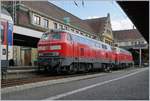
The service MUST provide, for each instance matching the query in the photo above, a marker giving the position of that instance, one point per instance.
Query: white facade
(27, 31)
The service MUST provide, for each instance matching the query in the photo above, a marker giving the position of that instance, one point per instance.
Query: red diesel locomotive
(64, 51)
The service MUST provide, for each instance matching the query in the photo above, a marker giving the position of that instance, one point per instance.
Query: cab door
(70, 42)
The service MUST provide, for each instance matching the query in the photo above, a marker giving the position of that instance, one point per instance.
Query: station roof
(125, 35)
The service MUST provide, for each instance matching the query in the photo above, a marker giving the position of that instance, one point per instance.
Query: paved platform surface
(121, 85)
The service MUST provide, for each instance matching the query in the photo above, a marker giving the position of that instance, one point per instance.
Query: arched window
(55, 26)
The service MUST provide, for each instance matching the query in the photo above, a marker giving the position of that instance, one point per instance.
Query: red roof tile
(97, 24)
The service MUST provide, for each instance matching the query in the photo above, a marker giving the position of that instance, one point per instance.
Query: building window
(55, 25)
(84, 34)
(77, 31)
(45, 22)
(139, 42)
(72, 30)
(66, 27)
(116, 44)
(108, 32)
(61, 26)
(132, 43)
(129, 43)
(36, 19)
(142, 42)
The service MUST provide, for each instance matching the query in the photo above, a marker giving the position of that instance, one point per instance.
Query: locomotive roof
(59, 30)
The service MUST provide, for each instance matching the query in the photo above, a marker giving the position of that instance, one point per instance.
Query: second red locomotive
(64, 51)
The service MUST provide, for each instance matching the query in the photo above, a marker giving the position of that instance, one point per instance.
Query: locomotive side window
(104, 46)
(99, 45)
(44, 36)
(83, 40)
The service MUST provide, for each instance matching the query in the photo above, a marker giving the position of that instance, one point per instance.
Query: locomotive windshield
(56, 36)
(44, 36)
(52, 36)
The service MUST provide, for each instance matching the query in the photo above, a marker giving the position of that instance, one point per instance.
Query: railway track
(15, 82)
(42, 77)
(38, 78)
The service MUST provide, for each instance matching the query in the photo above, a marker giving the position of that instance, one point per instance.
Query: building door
(27, 57)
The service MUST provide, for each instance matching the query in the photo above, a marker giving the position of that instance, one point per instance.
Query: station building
(32, 18)
(133, 41)
(102, 27)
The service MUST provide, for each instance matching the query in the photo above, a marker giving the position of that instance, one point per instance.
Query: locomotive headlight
(55, 54)
(40, 48)
(40, 54)
(43, 48)
(55, 47)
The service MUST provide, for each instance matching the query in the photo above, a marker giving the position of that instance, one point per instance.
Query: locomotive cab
(50, 49)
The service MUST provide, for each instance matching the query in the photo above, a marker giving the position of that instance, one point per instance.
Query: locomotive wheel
(89, 67)
(86, 67)
(106, 68)
(83, 67)
(76, 67)
(70, 69)
(58, 70)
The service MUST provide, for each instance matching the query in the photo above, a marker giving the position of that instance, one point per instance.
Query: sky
(96, 9)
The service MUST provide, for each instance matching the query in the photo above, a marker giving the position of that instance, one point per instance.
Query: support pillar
(140, 60)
